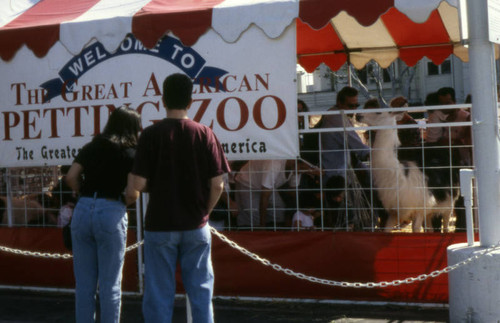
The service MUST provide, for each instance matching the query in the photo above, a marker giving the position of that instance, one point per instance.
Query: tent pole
(349, 75)
(480, 301)
(485, 122)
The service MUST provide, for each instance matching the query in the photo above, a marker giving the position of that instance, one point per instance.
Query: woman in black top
(99, 224)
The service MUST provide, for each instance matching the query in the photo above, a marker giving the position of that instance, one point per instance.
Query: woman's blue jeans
(99, 234)
(162, 250)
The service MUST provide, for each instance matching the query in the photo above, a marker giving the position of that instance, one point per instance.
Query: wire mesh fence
(38, 197)
(373, 172)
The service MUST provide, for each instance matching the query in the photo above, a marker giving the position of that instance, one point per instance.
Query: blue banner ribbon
(169, 49)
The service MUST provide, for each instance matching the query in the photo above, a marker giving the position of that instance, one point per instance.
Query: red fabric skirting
(339, 256)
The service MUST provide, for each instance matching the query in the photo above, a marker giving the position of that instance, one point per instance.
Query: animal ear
(398, 115)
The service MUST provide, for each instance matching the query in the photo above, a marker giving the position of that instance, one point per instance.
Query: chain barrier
(382, 284)
(36, 253)
(286, 271)
(40, 254)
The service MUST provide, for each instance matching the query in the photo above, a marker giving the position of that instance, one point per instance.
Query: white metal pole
(475, 288)
(485, 122)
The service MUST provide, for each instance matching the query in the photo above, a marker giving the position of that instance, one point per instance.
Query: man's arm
(356, 145)
(216, 188)
(232, 205)
(135, 185)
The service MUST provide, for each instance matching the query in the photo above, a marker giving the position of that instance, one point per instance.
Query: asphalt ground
(31, 307)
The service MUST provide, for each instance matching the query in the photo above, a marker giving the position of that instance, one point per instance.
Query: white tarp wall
(244, 90)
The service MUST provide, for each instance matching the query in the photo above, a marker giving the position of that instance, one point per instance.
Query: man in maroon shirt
(180, 163)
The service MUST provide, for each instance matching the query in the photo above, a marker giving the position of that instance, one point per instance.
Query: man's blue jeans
(161, 252)
(99, 234)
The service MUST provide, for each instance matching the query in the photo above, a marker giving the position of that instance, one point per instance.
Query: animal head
(385, 118)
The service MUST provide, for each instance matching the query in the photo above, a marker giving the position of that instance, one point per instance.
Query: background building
(318, 89)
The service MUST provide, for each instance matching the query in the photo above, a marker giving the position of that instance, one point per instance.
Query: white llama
(402, 187)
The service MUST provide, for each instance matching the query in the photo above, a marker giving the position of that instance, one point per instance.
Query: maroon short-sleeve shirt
(178, 157)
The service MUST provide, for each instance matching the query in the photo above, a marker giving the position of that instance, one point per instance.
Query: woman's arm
(73, 177)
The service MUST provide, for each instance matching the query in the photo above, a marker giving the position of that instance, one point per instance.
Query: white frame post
(10, 215)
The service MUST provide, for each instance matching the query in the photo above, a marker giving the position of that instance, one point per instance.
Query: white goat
(402, 187)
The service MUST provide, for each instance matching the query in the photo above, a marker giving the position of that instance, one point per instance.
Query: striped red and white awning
(329, 31)
(389, 29)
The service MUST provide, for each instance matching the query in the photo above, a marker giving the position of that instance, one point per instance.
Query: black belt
(101, 195)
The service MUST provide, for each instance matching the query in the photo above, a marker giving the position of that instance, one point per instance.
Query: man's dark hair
(431, 99)
(305, 108)
(177, 89)
(445, 91)
(347, 91)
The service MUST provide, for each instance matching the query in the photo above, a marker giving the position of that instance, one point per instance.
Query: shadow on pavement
(24, 306)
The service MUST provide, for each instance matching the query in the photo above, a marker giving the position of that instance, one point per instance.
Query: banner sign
(245, 91)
